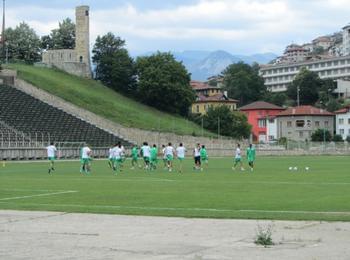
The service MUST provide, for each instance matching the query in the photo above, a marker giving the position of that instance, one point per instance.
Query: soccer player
(251, 156)
(204, 155)
(117, 157)
(110, 157)
(197, 157)
(238, 158)
(146, 154)
(169, 152)
(164, 157)
(153, 158)
(180, 153)
(134, 156)
(51, 154)
(85, 159)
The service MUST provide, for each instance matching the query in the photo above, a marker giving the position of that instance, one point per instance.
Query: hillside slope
(97, 98)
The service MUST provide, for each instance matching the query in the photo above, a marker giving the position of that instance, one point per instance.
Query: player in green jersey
(204, 155)
(154, 159)
(251, 156)
(134, 156)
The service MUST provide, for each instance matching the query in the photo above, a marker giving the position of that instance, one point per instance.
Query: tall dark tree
(309, 85)
(164, 83)
(114, 66)
(228, 123)
(61, 38)
(23, 44)
(243, 83)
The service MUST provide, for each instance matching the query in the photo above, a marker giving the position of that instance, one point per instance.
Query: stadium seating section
(25, 115)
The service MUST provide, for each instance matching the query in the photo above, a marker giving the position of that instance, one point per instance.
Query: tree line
(164, 83)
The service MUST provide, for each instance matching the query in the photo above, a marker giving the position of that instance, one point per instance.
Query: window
(348, 121)
(326, 123)
(349, 132)
(81, 59)
(341, 121)
(301, 134)
(300, 123)
(289, 124)
(262, 122)
(317, 123)
(308, 123)
(341, 131)
(197, 109)
(86, 13)
(271, 121)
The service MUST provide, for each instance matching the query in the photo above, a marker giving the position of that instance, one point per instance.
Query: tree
(164, 83)
(234, 124)
(309, 84)
(114, 67)
(243, 82)
(337, 138)
(318, 50)
(61, 38)
(23, 43)
(321, 135)
(278, 98)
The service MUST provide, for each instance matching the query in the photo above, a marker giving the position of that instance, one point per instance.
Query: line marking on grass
(6, 189)
(39, 195)
(190, 209)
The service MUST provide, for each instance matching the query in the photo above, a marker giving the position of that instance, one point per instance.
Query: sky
(238, 26)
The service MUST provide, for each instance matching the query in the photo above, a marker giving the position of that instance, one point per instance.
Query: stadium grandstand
(25, 120)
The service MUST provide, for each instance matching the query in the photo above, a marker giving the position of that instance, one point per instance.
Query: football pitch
(272, 191)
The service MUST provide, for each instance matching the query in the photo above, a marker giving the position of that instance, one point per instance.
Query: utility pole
(218, 127)
(298, 96)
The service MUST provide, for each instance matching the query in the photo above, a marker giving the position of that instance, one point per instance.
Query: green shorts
(181, 159)
(134, 158)
(238, 160)
(154, 160)
(52, 158)
(85, 160)
(119, 160)
(204, 159)
(169, 157)
(146, 159)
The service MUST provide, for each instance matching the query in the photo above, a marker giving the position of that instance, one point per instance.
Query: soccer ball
(290, 168)
(295, 168)
(307, 168)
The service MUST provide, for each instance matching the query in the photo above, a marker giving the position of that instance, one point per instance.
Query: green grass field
(271, 192)
(95, 97)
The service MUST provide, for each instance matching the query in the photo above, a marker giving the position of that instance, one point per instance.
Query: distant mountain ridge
(203, 64)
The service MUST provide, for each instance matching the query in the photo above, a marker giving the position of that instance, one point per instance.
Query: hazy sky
(237, 26)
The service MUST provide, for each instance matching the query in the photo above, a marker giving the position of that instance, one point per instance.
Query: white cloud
(236, 25)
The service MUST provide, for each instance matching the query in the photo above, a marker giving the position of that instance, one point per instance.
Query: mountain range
(203, 64)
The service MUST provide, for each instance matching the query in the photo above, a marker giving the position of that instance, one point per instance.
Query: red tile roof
(215, 98)
(343, 110)
(305, 111)
(260, 105)
(198, 85)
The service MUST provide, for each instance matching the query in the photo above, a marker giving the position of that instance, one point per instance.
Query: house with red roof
(210, 96)
(298, 123)
(342, 122)
(262, 117)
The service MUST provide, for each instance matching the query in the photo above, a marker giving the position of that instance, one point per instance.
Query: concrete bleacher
(31, 117)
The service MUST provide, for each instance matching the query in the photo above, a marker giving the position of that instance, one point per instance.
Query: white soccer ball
(307, 168)
(295, 168)
(290, 168)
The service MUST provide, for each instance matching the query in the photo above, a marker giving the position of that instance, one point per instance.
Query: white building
(278, 77)
(271, 128)
(343, 88)
(342, 122)
(346, 40)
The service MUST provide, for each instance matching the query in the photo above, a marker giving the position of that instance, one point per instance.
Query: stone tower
(82, 34)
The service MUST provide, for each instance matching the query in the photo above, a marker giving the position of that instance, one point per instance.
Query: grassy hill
(97, 98)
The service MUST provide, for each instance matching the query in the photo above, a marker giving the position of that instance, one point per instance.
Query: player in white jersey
(110, 157)
(85, 159)
(238, 158)
(117, 153)
(169, 153)
(180, 153)
(146, 154)
(197, 157)
(51, 155)
(164, 157)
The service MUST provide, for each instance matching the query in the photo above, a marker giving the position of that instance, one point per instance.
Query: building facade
(77, 61)
(278, 77)
(210, 97)
(342, 122)
(298, 123)
(262, 117)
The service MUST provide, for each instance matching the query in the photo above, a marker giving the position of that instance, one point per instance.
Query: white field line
(193, 209)
(7, 189)
(38, 195)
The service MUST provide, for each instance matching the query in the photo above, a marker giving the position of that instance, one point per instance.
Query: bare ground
(55, 235)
